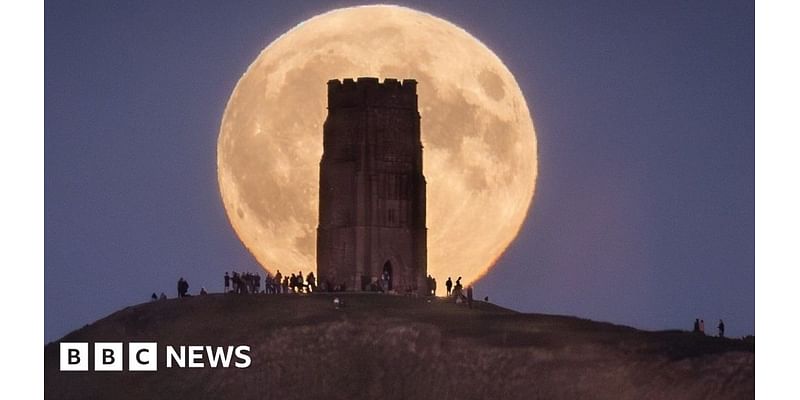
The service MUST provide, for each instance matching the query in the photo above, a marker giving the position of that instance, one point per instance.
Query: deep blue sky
(644, 208)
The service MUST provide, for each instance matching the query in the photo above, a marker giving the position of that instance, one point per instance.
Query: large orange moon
(479, 142)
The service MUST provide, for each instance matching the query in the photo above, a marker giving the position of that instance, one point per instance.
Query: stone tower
(371, 188)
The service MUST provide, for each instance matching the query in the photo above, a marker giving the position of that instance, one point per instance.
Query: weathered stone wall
(372, 188)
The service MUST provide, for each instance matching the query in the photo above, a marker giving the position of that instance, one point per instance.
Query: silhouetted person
(469, 296)
(300, 285)
(312, 282)
(486, 299)
(183, 287)
(449, 286)
(702, 327)
(721, 328)
(203, 291)
(227, 282)
(153, 297)
(279, 280)
(385, 282)
(433, 286)
(696, 325)
(458, 292)
(267, 283)
(237, 283)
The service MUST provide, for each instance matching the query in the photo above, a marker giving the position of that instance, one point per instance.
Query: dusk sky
(644, 115)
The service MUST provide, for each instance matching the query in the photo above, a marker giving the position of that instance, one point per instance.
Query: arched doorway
(387, 273)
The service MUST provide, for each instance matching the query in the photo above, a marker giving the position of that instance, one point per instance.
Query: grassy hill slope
(394, 347)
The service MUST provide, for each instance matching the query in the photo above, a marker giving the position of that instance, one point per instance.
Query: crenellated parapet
(370, 92)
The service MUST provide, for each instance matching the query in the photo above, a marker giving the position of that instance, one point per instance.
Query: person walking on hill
(227, 279)
(449, 286)
(721, 328)
(696, 328)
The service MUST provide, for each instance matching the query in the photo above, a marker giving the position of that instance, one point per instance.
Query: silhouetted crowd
(700, 327)
(457, 291)
(248, 283)
(251, 283)
(242, 283)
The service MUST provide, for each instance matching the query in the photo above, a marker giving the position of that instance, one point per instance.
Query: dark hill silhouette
(393, 347)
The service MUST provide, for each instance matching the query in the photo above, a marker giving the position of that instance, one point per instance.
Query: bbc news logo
(143, 356)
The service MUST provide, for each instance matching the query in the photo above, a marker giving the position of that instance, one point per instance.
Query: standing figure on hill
(153, 297)
(449, 286)
(311, 280)
(696, 328)
(702, 327)
(300, 285)
(237, 282)
(203, 291)
(278, 280)
(469, 296)
(227, 279)
(183, 287)
(267, 283)
(721, 328)
(458, 291)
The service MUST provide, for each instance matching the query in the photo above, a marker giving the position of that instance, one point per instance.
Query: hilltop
(396, 347)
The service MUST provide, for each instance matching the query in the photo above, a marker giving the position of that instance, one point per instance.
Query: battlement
(370, 92)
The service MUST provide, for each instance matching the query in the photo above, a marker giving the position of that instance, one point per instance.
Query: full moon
(480, 156)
